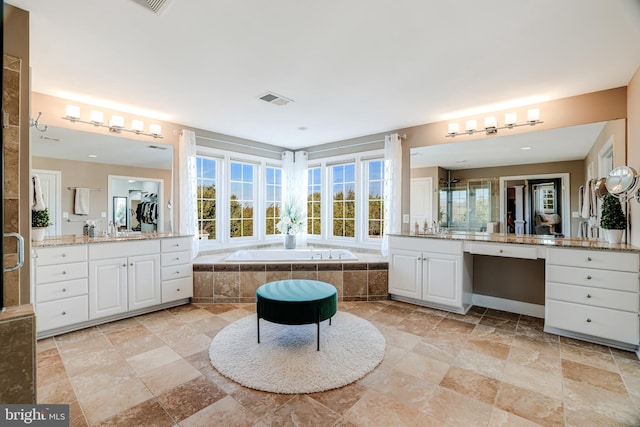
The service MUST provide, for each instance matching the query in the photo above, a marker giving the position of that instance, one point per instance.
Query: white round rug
(286, 360)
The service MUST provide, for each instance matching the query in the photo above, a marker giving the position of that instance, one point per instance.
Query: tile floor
(488, 368)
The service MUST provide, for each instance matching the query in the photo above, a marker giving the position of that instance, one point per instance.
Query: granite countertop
(525, 239)
(84, 240)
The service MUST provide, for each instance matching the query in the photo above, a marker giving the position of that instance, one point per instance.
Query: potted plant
(39, 224)
(613, 220)
(291, 222)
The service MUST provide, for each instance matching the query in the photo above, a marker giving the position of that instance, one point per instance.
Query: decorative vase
(37, 234)
(290, 241)
(614, 236)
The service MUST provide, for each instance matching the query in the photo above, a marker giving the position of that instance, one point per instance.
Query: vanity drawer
(177, 244)
(122, 249)
(617, 280)
(177, 271)
(67, 289)
(55, 314)
(60, 272)
(176, 258)
(177, 289)
(63, 254)
(606, 298)
(614, 325)
(608, 260)
(511, 251)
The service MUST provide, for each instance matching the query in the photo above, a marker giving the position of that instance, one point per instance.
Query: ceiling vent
(153, 5)
(275, 99)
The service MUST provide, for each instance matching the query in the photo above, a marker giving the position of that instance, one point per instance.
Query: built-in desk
(583, 289)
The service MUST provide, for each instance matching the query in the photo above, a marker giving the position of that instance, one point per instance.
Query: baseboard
(534, 310)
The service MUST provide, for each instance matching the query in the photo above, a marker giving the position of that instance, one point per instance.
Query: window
(273, 199)
(241, 200)
(206, 179)
(314, 201)
(375, 199)
(344, 200)
(459, 209)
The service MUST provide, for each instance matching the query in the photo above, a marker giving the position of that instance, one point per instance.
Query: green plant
(612, 216)
(40, 218)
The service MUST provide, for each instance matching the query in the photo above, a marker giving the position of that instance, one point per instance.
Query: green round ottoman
(296, 302)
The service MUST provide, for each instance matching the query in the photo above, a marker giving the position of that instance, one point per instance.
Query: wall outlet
(103, 214)
(405, 219)
(65, 214)
(575, 214)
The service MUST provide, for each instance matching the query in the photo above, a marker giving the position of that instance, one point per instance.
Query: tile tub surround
(485, 368)
(220, 282)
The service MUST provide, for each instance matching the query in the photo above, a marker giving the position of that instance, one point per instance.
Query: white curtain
(294, 186)
(392, 188)
(187, 180)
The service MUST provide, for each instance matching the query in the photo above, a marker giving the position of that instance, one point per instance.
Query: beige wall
(95, 175)
(633, 147)
(590, 108)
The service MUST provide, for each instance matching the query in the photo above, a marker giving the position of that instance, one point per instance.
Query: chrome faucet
(330, 254)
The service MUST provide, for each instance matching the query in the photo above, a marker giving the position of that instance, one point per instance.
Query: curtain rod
(344, 146)
(239, 144)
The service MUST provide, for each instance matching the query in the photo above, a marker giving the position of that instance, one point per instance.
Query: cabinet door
(107, 287)
(441, 284)
(144, 281)
(405, 273)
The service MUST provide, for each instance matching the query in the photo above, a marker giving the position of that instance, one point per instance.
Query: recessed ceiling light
(302, 128)
(461, 161)
(525, 148)
(93, 156)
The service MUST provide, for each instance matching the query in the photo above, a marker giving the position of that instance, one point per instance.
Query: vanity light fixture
(491, 124)
(96, 117)
(116, 123)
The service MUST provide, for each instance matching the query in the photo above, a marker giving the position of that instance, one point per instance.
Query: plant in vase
(613, 220)
(291, 222)
(39, 224)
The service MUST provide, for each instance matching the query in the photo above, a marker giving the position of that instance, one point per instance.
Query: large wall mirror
(123, 177)
(526, 183)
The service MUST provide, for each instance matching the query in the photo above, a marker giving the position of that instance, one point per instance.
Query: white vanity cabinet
(177, 269)
(87, 284)
(430, 272)
(123, 277)
(61, 286)
(593, 295)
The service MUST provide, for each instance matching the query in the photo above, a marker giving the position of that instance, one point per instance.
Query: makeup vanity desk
(588, 290)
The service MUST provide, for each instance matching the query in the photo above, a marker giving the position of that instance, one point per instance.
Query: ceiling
(552, 145)
(352, 68)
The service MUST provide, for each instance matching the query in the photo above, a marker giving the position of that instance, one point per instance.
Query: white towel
(82, 201)
(37, 202)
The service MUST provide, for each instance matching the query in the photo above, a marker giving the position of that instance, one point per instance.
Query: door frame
(565, 184)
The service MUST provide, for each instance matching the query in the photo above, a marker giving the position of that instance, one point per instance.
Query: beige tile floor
(488, 368)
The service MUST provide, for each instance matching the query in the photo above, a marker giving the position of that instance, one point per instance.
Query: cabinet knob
(177, 245)
(64, 272)
(178, 290)
(64, 313)
(177, 258)
(588, 277)
(64, 289)
(131, 264)
(501, 251)
(64, 255)
(177, 271)
(124, 265)
(588, 320)
(588, 258)
(419, 258)
(588, 295)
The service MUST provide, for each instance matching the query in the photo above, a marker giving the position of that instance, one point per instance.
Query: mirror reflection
(528, 183)
(122, 173)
